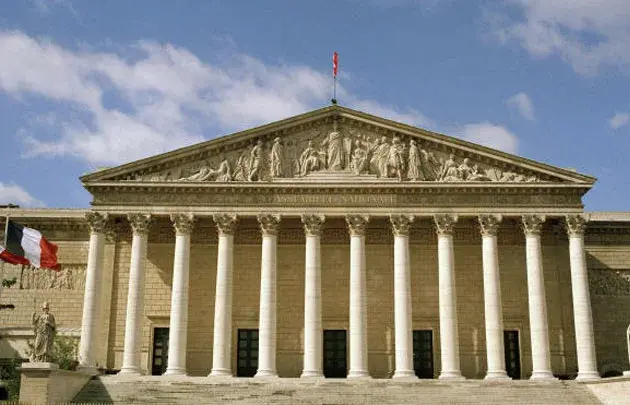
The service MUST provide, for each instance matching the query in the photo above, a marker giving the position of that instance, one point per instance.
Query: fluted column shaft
(135, 296)
(493, 306)
(402, 297)
(313, 335)
(269, 225)
(358, 298)
(449, 338)
(541, 359)
(582, 315)
(90, 320)
(222, 342)
(178, 331)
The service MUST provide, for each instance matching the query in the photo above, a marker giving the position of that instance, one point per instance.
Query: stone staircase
(187, 390)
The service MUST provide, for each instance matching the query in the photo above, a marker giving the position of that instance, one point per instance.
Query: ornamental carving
(70, 277)
(183, 223)
(357, 224)
(140, 223)
(576, 224)
(313, 224)
(226, 223)
(96, 221)
(445, 223)
(348, 151)
(489, 224)
(401, 224)
(532, 224)
(269, 224)
(609, 282)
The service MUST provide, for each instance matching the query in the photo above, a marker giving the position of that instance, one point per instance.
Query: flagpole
(4, 245)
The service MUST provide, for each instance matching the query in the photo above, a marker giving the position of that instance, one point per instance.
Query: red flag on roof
(27, 246)
(335, 63)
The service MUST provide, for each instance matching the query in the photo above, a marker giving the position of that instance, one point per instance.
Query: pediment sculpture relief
(349, 151)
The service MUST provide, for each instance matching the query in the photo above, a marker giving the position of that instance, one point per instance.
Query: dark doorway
(423, 353)
(335, 365)
(512, 354)
(160, 351)
(247, 353)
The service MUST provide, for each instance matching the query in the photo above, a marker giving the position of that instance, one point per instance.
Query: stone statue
(309, 160)
(414, 171)
(465, 170)
(396, 158)
(477, 175)
(358, 164)
(380, 157)
(431, 165)
(241, 171)
(222, 173)
(255, 161)
(275, 159)
(45, 330)
(450, 170)
(335, 148)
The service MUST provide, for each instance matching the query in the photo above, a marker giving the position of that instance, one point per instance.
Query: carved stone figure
(450, 170)
(358, 163)
(380, 157)
(309, 160)
(45, 330)
(477, 175)
(241, 171)
(255, 161)
(222, 173)
(465, 170)
(396, 158)
(430, 165)
(414, 171)
(335, 148)
(275, 159)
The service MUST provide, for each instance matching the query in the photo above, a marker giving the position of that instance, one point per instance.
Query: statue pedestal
(45, 383)
(626, 373)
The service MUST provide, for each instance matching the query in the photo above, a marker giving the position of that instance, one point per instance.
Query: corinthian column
(178, 331)
(89, 322)
(269, 225)
(358, 297)
(222, 342)
(493, 306)
(313, 346)
(449, 339)
(541, 360)
(135, 297)
(583, 318)
(402, 297)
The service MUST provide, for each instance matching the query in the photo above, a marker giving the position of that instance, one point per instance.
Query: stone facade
(173, 240)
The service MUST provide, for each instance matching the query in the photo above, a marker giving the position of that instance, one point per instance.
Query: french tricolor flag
(28, 246)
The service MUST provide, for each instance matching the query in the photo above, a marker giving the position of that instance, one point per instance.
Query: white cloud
(165, 97)
(14, 194)
(46, 6)
(523, 104)
(585, 33)
(491, 135)
(619, 120)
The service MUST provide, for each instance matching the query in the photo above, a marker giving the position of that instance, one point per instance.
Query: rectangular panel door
(247, 353)
(512, 354)
(335, 352)
(423, 353)
(160, 351)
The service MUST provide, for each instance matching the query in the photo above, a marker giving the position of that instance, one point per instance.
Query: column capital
(445, 223)
(532, 224)
(97, 221)
(140, 223)
(401, 224)
(183, 223)
(489, 224)
(226, 223)
(357, 224)
(269, 224)
(576, 224)
(313, 224)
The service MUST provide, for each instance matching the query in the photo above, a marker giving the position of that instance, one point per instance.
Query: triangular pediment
(337, 144)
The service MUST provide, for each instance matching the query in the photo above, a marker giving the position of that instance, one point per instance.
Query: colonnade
(358, 333)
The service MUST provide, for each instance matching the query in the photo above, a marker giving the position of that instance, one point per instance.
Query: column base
(359, 374)
(220, 372)
(497, 376)
(130, 371)
(404, 374)
(542, 376)
(266, 374)
(587, 375)
(451, 375)
(312, 374)
(175, 372)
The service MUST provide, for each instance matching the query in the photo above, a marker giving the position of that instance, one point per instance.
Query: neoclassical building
(334, 244)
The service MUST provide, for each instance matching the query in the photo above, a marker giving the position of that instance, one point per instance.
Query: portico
(410, 231)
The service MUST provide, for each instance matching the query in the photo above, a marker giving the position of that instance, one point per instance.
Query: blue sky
(87, 84)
